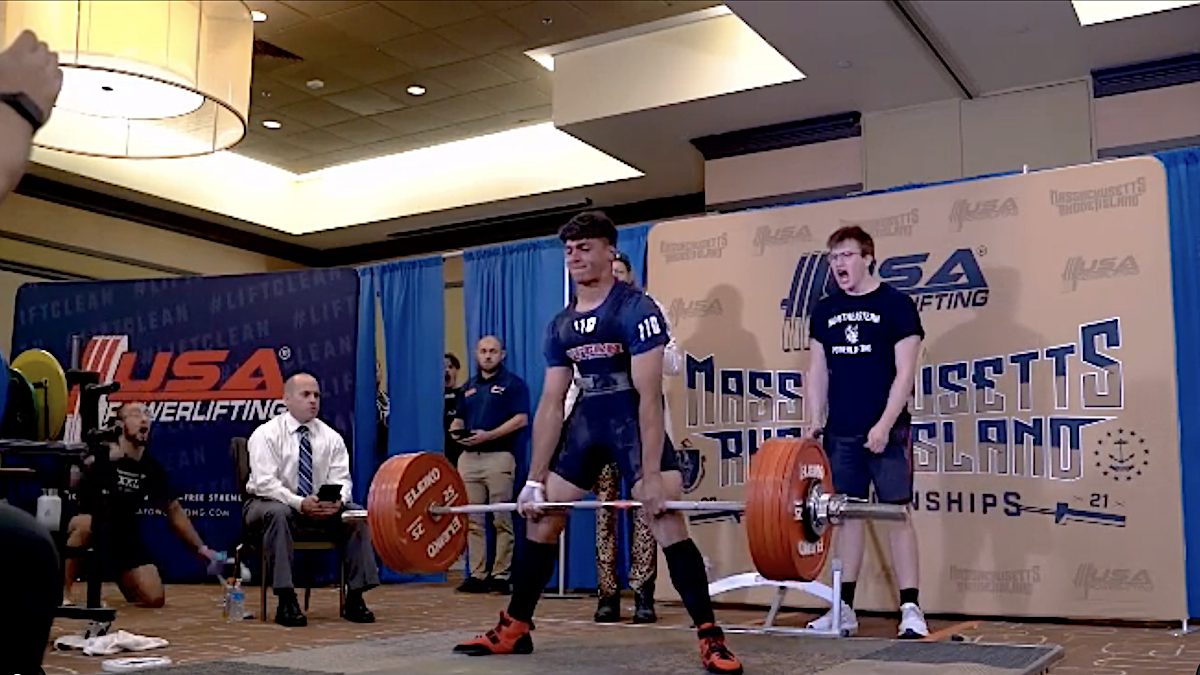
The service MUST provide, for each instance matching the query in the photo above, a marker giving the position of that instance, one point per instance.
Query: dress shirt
(275, 459)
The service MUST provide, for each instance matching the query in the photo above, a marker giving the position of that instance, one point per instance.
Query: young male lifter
(865, 339)
(615, 335)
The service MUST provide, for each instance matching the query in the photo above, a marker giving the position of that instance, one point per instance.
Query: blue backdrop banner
(209, 355)
(366, 390)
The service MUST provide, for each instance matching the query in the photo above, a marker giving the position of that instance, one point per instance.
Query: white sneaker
(912, 622)
(825, 623)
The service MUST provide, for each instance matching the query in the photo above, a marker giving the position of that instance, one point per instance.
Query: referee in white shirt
(291, 457)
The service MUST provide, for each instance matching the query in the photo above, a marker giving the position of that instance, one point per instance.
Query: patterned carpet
(426, 620)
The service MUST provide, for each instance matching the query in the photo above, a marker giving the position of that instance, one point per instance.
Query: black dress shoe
(643, 600)
(608, 609)
(356, 609)
(473, 585)
(501, 586)
(288, 613)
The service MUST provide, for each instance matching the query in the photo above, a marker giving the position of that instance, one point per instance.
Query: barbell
(416, 506)
(416, 510)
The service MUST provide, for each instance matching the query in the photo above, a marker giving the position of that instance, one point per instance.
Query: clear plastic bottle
(235, 601)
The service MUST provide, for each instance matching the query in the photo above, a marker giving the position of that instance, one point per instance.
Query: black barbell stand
(94, 445)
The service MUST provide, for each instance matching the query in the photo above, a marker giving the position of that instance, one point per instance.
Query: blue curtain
(363, 460)
(412, 296)
(631, 241)
(1183, 203)
(512, 291)
(412, 300)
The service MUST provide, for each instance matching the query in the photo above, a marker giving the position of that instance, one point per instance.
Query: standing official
(492, 407)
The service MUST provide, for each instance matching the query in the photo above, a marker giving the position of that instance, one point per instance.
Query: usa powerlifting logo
(935, 284)
(202, 385)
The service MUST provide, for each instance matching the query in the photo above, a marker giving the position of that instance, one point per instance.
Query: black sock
(530, 575)
(687, 573)
(285, 593)
(848, 592)
(908, 595)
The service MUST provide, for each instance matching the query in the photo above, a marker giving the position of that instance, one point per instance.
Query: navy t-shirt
(486, 403)
(859, 334)
(604, 340)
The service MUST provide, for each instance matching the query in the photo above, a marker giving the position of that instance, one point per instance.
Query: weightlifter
(136, 480)
(615, 335)
(865, 340)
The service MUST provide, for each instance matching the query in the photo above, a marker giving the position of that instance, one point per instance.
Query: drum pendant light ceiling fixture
(147, 79)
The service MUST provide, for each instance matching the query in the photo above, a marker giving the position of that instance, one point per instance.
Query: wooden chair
(303, 539)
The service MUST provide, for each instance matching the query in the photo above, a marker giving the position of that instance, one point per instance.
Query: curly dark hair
(589, 225)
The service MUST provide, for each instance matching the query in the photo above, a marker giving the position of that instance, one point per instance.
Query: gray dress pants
(278, 522)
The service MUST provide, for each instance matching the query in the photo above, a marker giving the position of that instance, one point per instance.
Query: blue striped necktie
(305, 482)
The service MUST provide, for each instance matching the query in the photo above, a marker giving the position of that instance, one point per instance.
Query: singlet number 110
(648, 327)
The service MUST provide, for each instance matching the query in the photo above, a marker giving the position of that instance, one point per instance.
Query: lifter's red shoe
(508, 637)
(716, 656)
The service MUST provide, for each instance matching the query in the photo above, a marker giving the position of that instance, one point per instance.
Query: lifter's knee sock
(687, 574)
(530, 575)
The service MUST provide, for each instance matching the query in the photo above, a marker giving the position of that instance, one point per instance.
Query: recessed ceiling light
(315, 84)
(258, 16)
(272, 124)
(1100, 11)
(844, 64)
(416, 90)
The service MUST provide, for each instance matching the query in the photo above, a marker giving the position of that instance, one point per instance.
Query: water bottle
(235, 602)
(49, 509)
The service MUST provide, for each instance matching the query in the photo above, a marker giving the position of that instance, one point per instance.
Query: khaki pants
(489, 480)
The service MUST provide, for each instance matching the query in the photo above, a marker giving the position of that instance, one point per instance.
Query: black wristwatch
(25, 107)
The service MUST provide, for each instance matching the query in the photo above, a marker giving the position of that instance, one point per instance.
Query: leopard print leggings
(643, 566)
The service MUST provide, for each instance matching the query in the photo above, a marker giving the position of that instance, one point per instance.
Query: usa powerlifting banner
(209, 356)
(1046, 451)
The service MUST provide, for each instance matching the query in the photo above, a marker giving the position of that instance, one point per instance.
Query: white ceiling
(858, 56)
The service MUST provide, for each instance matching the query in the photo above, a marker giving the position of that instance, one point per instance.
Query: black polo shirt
(486, 403)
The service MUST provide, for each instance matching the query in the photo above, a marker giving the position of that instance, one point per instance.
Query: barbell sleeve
(853, 510)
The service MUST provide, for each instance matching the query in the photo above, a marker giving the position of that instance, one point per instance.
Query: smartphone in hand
(330, 492)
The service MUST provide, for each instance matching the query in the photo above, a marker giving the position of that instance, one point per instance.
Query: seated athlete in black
(135, 481)
(615, 335)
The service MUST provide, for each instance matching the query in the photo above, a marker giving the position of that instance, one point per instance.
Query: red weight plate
(407, 537)
(764, 494)
(780, 473)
